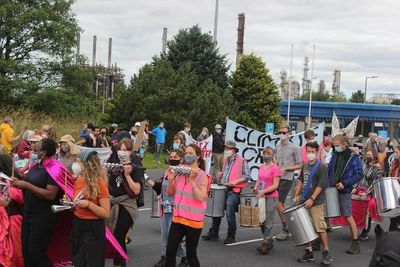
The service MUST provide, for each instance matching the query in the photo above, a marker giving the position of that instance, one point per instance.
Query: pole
(109, 52)
(164, 40)
(365, 89)
(216, 22)
(290, 85)
(311, 88)
(94, 50)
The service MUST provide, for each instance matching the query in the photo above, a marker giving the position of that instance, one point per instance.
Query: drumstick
(13, 167)
(65, 184)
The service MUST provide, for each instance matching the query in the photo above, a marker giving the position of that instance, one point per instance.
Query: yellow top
(7, 134)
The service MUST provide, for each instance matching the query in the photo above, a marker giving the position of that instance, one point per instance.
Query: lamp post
(366, 86)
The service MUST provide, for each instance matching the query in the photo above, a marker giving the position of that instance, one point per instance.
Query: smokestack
(78, 46)
(164, 40)
(240, 40)
(94, 50)
(109, 51)
(216, 22)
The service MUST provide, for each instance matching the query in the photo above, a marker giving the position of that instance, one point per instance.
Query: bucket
(332, 206)
(216, 201)
(300, 224)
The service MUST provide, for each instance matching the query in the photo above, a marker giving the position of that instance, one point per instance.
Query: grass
(150, 164)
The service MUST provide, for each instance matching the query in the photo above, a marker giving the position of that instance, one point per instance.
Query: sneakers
(161, 262)
(265, 247)
(363, 235)
(355, 248)
(316, 244)
(210, 237)
(308, 256)
(229, 240)
(326, 257)
(283, 235)
(184, 262)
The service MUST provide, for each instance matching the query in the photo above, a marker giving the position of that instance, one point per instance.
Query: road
(145, 248)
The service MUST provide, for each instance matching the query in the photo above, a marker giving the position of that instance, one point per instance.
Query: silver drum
(155, 205)
(249, 199)
(387, 194)
(300, 224)
(216, 201)
(332, 206)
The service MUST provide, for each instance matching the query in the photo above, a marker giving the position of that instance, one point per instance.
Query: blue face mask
(175, 146)
(189, 159)
(338, 149)
(34, 157)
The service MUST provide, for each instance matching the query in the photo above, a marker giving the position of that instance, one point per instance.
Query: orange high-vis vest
(186, 205)
(236, 173)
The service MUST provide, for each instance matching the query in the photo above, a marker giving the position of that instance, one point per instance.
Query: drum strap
(310, 178)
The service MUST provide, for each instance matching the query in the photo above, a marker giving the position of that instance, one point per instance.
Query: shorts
(284, 189)
(345, 203)
(318, 216)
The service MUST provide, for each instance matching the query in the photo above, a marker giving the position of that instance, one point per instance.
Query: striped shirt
(229, 166)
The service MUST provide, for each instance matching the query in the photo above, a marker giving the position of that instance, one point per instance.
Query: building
(336, 82)
(284, 87)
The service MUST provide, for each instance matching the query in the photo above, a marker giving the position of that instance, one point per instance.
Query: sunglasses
(282, 132)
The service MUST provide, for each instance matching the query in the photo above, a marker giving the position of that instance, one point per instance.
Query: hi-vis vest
(186, 205)
(236, 173)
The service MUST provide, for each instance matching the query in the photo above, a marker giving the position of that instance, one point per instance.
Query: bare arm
(102, 210)
(135, 187)
(200, 191)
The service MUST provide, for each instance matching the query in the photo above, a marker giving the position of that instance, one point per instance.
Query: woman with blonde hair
(203, 135)
(92, 208)
(68, 153)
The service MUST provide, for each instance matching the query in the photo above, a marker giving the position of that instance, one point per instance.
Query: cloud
(359, 37)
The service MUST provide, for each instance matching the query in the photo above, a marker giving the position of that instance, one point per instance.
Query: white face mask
(228, 153)
(123, 155)
(218, 131)
(187, 130)
(76, 168)
(311, 156)
(283, 137)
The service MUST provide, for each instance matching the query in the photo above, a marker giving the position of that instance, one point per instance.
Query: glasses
(282, 132)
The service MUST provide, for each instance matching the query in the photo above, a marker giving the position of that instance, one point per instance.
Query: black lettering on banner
(248, 139)
(250, 154)
(236, 135)
(260, 140)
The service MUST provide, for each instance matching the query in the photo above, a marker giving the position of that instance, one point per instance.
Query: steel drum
(155, 205)
(300, 224)
(332, 206)
(387, 194)
(216, 201)
(248, 210)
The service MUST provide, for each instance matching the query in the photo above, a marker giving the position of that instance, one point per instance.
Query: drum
(332, 207)
(155, 205)
(216, 201)
(387, 194)
(248, 210)
(300, 224)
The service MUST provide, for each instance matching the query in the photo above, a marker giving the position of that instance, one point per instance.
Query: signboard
(269, 127)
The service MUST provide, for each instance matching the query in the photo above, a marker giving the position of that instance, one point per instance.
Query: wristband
(88, 205)
(312, 198)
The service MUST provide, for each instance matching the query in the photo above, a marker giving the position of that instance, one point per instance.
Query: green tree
(316, 96)
(35, 36)
(338, 98)
(357, 97)
(197, 48)
(256, 96)
(396, 101)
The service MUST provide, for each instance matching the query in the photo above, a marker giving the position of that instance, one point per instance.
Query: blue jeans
(158, 151)
(232, 201)
(166, 221)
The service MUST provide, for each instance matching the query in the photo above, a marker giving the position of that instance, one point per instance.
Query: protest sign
(206, 151)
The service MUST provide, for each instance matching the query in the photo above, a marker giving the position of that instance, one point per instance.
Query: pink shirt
(266, 177)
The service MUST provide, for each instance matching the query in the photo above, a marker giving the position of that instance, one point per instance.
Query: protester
(84, 132)
(266, 187)
(24, 148)
(133, 133)
(11, 206)
(68, 152)
(326, 152)
(217, 151)
(289, 160)
(40, 193)
(395, 172)
(190, 198)
(90, 140)
(124, 187)
(309, 135)
(114, 148)
(103, 138)
(372, 172)
(344, 171)
(167, 206)
(114, 131)
(178, 142)
(203, 135)
(186, 133)
(359, 144)
(372, 143)
(311, 191)
(92, 202)
(160, 133)
(389, 146)
(7, 134)
(235, 175)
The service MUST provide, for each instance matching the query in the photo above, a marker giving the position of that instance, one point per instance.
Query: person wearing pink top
(309, 135)
(266, 187)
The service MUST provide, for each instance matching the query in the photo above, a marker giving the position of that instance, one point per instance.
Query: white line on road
(244, 242)
(144, 209)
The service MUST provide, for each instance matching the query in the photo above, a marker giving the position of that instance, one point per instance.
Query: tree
(396, 101)
(338, 98)
(197, 48)
(316, 96)
(357, 97)
(35, 37)
(255, 95)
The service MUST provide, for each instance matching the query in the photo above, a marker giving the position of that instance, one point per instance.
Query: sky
(359, 37)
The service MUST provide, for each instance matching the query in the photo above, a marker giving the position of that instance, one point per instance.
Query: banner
(103, 152)
(206, 151)
(251, 142)
(350, 130)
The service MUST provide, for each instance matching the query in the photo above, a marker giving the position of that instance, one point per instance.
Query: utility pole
(78, 46)
(216, 22)
(290, 85)
(240, 40)
(311, 88)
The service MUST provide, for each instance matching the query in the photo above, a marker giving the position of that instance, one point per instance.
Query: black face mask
(174, 162)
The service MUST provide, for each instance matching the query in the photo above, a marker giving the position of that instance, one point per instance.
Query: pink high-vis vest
(236, 173)
(186, 205)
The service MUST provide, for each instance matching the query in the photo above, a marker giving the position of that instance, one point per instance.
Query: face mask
(311, 156)
(189, 159)
(65, 148)
(161, 126)
(174, 162)
(34, 157)
(368, 160)
(283, 137)
(218, 131)
(203, 133)
(267, 159)
(228, 153)
(187, 130)
(123, 155)
(338, 149)
(175, 146)
(76, 168)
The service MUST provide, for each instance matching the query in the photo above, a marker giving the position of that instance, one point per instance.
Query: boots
(265, 247)
(161, 262)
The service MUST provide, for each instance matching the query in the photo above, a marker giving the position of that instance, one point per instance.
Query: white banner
(251, 142)
(103, 152)
(206, 151)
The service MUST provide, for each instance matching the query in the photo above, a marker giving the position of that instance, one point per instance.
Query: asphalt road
(145, 248)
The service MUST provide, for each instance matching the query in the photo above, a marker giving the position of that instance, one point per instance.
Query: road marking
(144, 209)
(244, 242)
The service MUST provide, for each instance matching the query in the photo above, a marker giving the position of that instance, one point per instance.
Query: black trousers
(394, 224)
(175, 236)
(124, 223)
(37, 229)
(88, 242)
